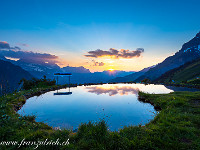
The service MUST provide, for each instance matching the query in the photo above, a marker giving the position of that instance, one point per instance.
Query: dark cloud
(97, 63)
(30, 56)
(115, 53)
(27, 56)
(4, 45)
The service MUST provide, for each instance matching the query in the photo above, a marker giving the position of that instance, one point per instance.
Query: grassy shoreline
(175, 127)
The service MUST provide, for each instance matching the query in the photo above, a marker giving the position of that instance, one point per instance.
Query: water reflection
(113, 90)
(63, 93)
(118, 103)
(127, 89)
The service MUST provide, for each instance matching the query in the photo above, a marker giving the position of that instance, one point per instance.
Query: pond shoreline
(122, 98)
(40, 91)
(146, 100)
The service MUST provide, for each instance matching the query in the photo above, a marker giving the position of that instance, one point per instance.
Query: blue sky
(71, 28)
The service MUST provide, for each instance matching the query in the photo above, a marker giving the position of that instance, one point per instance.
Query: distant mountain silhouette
(79, 74)
(75, 69)
(10, 75)
(131, 77)
(95, 77)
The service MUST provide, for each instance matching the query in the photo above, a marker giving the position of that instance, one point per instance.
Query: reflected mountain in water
(113, 90)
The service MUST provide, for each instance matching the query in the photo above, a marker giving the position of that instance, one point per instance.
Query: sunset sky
(100, 34)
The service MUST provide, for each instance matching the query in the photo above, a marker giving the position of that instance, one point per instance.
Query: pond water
(117, 104)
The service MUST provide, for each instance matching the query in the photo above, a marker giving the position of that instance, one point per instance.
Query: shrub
(44, 82)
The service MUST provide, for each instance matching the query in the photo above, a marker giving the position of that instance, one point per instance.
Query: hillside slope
(189, 52)
(10, 75)
(183, 73)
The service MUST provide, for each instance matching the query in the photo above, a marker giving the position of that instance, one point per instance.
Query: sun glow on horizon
(109, 64)
(111, 70)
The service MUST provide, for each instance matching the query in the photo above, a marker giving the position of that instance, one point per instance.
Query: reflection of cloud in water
(113, 90)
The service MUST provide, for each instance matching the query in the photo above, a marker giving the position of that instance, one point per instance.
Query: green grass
(175, 127)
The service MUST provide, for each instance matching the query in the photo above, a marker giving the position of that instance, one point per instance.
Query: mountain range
(189, 52)
(79, 74)
(96, 77)
(37, 65)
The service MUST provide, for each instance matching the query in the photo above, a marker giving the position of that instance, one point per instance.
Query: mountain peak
(192, 46)
(198, 34)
